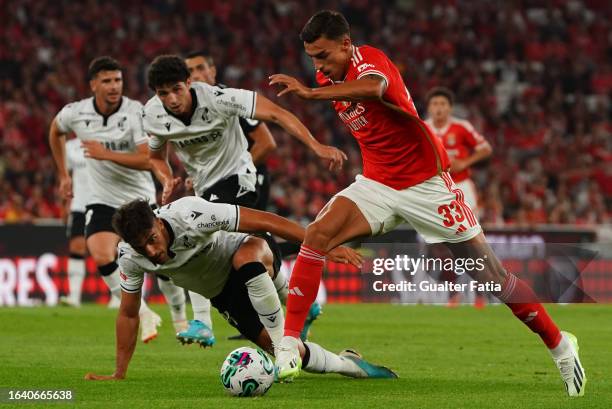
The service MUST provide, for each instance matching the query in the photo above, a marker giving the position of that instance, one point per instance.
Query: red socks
(303, 288)
(521, 299)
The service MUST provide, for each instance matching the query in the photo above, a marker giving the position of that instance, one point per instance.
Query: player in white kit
(109, 126)
(75, 226)
(205, 247)
(202, 122)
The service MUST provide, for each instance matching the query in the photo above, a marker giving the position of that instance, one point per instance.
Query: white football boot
(569, 365)
(149, 321)
(288, 360)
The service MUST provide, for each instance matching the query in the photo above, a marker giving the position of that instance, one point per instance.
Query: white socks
(113, 282)
(175, 297)
(76, 274)
(562, 349)
(322, 361)
(201, 308)
(265, 301)
(282, 286)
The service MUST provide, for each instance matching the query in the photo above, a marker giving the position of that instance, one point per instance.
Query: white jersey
(75, 161)
(111, 184)
(202, 241)
(211, 145)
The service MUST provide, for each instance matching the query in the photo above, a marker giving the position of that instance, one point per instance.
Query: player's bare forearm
(138, 161)
(370, 87)
(268, 111)
(256, 221)
(57, 142)
(127, 332)
(484, 151)
(263, 144)
(158, 160)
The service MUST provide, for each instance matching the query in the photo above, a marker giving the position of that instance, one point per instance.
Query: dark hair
(166, 70)
(133, 219)
(200, 53)
(327, 23)
(440, 92)
(104, 63)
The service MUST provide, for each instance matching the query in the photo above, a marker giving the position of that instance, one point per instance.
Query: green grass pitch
(446, 358)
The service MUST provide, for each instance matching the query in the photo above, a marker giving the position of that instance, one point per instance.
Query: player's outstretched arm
(263, 143)
(138, 160)
(267, 110)
(366, 88)
(256, 221)
(57, 142)
(127, 332)
(163, 172)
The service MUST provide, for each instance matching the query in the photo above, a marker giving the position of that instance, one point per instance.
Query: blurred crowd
(535, 77)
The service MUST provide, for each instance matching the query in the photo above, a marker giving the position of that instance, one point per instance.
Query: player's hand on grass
(171, 187)
(334, 155)
(65, 187)
(94, 150)
(290, 84)
(93, 377)
(345, 255)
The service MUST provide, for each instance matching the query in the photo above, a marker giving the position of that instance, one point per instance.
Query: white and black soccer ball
(247, 372)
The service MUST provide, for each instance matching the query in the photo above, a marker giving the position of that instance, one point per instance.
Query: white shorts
(470, 195)
(435, 208)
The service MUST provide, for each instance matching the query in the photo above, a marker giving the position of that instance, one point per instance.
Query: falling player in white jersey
(207, 248)
(75, 226)
(109, 126)
(202, 122)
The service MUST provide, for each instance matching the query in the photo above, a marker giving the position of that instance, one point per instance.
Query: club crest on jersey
(205, 116)
(121, 123)
(187, 243)
(451, 139)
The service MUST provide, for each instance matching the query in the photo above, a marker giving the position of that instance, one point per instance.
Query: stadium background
(535, 77)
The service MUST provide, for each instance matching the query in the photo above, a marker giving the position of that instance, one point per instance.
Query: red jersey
(397, 151)
(460, 139)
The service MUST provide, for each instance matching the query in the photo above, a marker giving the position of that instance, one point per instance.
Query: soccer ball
(247, 372)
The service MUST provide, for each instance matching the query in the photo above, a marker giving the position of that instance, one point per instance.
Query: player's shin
(76, 274)
(319, 360)
(303, 288)
(521, 299)
(175, 297)
(264, 299)
(110, 275)
(201, 308)
(282, 286)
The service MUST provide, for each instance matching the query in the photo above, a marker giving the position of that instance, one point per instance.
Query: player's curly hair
(325, 23)
(166, 70)
(440, 92)
(133, 219)
(103, 63)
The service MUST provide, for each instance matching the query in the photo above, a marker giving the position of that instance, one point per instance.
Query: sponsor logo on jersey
(213, 224)
(87, 121)
(365, 66)
(212, 136)
(168, 125)
(451, 139)
(218, 93)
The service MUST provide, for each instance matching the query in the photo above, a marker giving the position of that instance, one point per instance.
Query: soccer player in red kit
(464, 147)
(463, 144)
(404, 178)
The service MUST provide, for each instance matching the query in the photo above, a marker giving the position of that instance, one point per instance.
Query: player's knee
(107, 269)
(254, 249)
(318, 236)
(77, 246)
